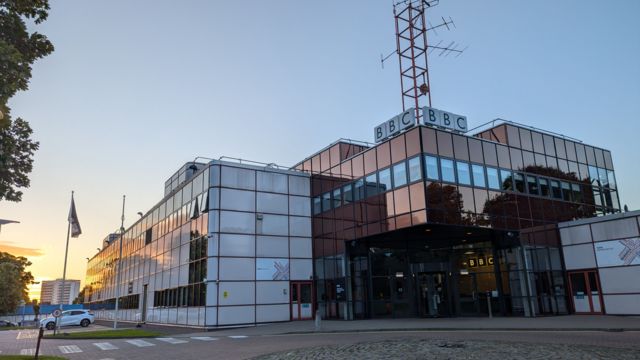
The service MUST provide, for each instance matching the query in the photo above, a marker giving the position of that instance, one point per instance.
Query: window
(478, 175)
(148, 236)
(359, 189)
(371, 185)
(555, 189)
(464, 177)
(384, 178)
(415, 172)
(493, 179)
(518, 180)
(612, 179)
(347, 194)
(566, 191)
(577, 194)
(431, 165)
(399, 175)
(326, 201)
(544, 187)
(593, 174)
(507, 179)
(532, 185)
(337, 199)
(447, 170)
(317, 205)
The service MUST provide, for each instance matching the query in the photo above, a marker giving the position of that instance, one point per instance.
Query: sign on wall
(618, 252)
(272, 269)
(444, 119)
(395, 125)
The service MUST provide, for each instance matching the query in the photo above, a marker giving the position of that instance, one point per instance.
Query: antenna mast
(413, 50)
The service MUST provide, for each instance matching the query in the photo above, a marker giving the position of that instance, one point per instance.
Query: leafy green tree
(14, 281)
(19, 49)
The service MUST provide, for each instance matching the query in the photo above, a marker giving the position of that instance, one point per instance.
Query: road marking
(69, 349)
(238, 336)
(29, 334)
(105, 346)
(140, 343)
(172, 340)
(28, 352)
(204, 338)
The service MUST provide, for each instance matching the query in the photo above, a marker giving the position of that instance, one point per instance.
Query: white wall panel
(214, 199)
(212, 293)
(182, 316)
(238, 178)
(579, 257)
(616, 229)
(214, 175)
(301, 269)
(214, 221)
(212, 245)
(272, 246)
(237, 245)
(236, 293)
(237, 269)
(273, 182)
(300, 226)
(240, 200)
(228, 315)
(272, 292)
(211, 316)
(272, 203)
(575, 235)
(301, 247)
(270, 313)
(299, 185)
(624, 279)
(193, 316)
(622, 304)
(237, 222)
(272, 225)
(299, 205)
(212, 268)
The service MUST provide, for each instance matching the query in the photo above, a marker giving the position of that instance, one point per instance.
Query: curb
(457, 329)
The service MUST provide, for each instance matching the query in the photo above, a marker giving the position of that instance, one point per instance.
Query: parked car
(4, 323)
(70, 317)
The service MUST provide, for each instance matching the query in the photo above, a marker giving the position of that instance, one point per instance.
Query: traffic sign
(57, 313)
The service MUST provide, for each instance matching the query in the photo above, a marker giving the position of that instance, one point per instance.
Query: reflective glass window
(371, 184)
(347, 194)
(593, 174)
(464, 177)
(532, 185)
(602, 175)
(384, 179)
(612, 179)
(326, 201)
(359, 189)
(337, 198)
(415, 172)
(399, 174)
(577, 194)
(555, 189)
(544, 187)
(478, 175)
(518, 180)
(549, 145)
(506, 179)
(447, 170)
(431, 167)
(566, 191)
(493, 178)
(317, 205)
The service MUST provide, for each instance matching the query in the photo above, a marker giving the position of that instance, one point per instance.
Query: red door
(301, 300)
(584, 288)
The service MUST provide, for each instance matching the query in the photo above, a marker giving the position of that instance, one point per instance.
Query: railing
(504, 121)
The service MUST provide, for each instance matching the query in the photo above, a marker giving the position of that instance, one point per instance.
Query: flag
(73, 220)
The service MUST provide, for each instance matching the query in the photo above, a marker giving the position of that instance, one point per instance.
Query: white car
(70, 317)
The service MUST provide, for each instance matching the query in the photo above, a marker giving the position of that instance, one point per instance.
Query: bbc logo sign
(444, 119)
(394, 125)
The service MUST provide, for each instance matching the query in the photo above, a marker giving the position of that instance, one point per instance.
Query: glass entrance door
(432, 294)
(301, 300)
(468, 295)
(585, 292)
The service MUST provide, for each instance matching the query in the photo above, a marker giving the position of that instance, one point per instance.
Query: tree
(14, 281)
(19, 49)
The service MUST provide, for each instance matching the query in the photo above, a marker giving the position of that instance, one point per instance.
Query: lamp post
(119, 266)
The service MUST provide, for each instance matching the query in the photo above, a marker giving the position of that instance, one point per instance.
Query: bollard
(489, 304)
(40, 333)
(318, 321)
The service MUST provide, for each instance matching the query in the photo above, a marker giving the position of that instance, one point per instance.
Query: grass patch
(20, 357)
(107, 334)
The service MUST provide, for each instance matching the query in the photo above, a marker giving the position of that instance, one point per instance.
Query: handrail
(504, 121)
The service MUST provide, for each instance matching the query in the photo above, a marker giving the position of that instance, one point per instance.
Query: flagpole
(64, 271)
(119, 264)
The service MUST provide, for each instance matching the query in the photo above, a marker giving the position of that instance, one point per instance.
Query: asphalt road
(221, 345)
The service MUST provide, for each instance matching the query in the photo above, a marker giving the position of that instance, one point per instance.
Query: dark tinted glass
(460, 148)
(513, 136)
(445, 144)
(532, 185)
(490, 156)
(538, 144)
(525, 139)
(544, 187)
(549, 146)
(518, 180)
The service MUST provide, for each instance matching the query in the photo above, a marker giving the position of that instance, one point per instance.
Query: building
(602, 258)
(230, 243)
(428, 222)
(51, 291)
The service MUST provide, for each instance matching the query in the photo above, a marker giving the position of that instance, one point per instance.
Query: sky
(135, 89)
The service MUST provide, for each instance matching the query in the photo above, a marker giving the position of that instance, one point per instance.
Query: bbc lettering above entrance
(396, 124)
(430, 116)
(444, 119)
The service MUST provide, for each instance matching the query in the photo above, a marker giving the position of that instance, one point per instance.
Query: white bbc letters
(439, 118)
(395, 125)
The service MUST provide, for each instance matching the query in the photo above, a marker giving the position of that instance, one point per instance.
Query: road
(235, 345)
